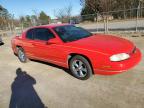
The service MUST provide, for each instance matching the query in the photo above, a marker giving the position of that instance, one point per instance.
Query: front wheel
(80, 67)
(21, 55)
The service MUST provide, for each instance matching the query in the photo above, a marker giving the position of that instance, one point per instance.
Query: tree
(28, 22)
(25, 21)
(91, 7)
(34, 20)
(21, 19)
(5, 18)
(104, 6)
(44, 18)
(35, 17)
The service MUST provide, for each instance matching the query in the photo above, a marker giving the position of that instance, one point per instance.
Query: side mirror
(52, 41)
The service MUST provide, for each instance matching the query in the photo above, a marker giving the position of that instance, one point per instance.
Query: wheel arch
(16, 48)
(71, 55)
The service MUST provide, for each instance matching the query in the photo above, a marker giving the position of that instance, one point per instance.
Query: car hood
(106, 44)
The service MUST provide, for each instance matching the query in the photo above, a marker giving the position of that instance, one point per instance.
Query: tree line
(91, 9)
(5, 18)
(8, 22)
(103, 6)
(34, 20)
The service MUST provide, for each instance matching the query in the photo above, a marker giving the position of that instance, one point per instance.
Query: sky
(26, 7)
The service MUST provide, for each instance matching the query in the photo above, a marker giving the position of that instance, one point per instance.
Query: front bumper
(119, 67)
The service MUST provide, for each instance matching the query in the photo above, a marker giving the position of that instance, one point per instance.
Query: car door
(46, 51)
(28, 43)
(42, 49)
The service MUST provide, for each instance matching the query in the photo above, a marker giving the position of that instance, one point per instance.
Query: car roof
(46, 26)
(50, 25)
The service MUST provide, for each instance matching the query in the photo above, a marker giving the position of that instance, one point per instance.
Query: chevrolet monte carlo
(76, 49)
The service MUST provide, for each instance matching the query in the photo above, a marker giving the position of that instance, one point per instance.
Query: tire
(80, 67)
(21, 55)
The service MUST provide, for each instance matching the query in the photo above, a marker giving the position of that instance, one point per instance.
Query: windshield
(70, 33)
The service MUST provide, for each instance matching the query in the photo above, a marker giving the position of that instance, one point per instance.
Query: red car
(75, 48)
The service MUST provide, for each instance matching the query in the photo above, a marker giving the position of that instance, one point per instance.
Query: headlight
(119, 57)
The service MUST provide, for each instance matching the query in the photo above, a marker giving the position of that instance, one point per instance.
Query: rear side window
(29, 34)
(43, 34)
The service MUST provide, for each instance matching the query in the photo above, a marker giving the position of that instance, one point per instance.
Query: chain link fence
(128, 20)
(120, 20)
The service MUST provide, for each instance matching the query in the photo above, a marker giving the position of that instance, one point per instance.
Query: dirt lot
(55, 88)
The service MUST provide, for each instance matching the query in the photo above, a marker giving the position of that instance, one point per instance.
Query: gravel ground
(53, 87)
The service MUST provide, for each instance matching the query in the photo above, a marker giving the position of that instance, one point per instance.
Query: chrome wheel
(79, 68)
(21, 55)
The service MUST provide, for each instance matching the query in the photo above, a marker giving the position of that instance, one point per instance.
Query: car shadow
(53, 65)
(1, 43)
(23, 93)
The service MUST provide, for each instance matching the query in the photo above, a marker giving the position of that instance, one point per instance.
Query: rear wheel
(21, 55)
(80, 67)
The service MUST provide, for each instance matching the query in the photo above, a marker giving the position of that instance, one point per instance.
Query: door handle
(34, 44)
